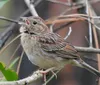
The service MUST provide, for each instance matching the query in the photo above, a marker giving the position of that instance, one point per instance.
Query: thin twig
(56, 18)
(90, 26)
(18, 67)
(87, 49)
(53, 23)
(87, 39)
(62, 26)
(3, 49)
(7, 19)
(68, 18)
(59, 2)
(14, 54)
(70, 30)
(31, 7)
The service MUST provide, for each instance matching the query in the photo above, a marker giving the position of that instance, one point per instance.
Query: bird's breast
(37, 55)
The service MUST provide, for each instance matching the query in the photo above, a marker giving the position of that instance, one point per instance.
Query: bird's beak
(22, 20)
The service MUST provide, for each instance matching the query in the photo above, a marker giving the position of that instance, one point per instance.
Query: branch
(31, 79)
(87, 49)
(89, 25)
(31, 7)
(70, 30)
(60, 2)
(7, 19)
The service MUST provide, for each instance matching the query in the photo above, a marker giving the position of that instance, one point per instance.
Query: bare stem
(31, 7)
(70, 30)
(90, 26)
(3, 49)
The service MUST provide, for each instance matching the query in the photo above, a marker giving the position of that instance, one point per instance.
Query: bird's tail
(90, 68)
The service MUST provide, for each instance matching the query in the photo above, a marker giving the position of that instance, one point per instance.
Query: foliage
(9, 74)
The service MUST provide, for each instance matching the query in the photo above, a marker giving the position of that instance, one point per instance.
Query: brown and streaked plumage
(46, 49)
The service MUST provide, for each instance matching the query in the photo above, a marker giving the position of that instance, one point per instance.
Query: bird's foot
(46, 71)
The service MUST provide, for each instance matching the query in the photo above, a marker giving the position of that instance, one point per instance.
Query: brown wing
(54, 43)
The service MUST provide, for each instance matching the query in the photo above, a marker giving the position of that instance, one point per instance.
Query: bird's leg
(46, 71)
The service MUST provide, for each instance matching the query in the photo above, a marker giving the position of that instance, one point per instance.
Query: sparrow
(46, 49)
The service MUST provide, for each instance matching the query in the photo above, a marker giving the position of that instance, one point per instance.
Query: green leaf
(9, 74)
(2, 2)
(13, 62)
(2, 66)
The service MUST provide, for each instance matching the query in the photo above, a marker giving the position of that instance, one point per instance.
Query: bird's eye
(34, 22)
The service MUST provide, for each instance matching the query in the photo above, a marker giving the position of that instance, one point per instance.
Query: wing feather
(54, 43)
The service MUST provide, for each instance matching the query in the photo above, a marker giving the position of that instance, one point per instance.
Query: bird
(47, 49)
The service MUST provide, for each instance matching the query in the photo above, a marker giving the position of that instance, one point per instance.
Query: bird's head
(33, 25)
